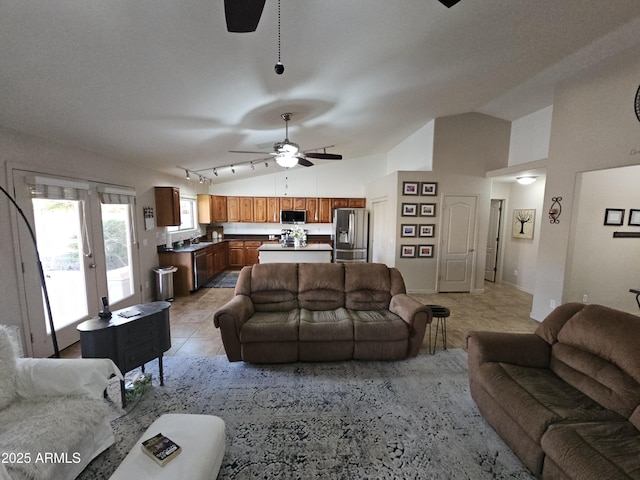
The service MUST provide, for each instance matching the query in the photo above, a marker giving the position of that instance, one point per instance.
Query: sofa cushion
(7, 368)
(378, 325)
(327, 325)
(321, 286)
(600, 360)
(274, 287)
(367, 286)
(536, 398)
(594, 450)
(271, 327)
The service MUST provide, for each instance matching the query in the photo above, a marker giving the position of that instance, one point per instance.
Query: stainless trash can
(164, 283)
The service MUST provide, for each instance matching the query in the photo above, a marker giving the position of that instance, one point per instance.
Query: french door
(85, 237)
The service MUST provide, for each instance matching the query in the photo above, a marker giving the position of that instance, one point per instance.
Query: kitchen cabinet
(251, 252)
(183, 277)
(273, 210)
(233, 209)
(220, 257)
(357, 202)
(340, 203)
(260, 209)
(286, 203)
(167, 206)
(212, 209)
(313, 215)
(236, 254)
(246, 209)
(325, 210)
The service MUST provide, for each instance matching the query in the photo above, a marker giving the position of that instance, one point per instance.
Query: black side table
(131, 337)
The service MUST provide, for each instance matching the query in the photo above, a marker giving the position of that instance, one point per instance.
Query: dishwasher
(199, 268)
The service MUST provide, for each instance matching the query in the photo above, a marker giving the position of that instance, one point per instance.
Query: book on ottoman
(161, 449)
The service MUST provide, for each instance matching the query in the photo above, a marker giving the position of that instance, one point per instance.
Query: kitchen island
(312, 253)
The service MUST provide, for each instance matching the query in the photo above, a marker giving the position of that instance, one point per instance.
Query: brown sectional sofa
(565, 398)
(288, 312)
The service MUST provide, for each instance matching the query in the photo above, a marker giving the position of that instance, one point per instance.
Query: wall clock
(637, 104)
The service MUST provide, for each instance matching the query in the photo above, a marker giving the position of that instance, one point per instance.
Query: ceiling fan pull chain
(279, 67)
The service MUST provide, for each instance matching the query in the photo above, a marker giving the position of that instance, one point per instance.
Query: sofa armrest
(229, 319)
(417, 316)
(87, 377)
(525, 349)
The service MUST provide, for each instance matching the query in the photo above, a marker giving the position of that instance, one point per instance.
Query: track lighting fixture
(215, 172)
(266, 164)
(201, 179)
(187, 174)
(233, 170)
(253, 167)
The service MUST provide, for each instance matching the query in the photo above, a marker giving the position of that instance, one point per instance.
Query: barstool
(440, 313)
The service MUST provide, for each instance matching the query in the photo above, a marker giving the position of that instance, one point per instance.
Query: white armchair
(53, 417)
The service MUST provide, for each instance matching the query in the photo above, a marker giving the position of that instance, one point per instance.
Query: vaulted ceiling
(162, 83)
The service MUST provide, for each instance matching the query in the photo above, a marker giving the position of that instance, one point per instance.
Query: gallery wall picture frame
(410, 188)
(614, 216)
(429, 189)
(524, 222)
(427, 209)
(407, 251)
(634, 218)
(409, 209)
(425, 251)
(427, 230)
(408, 230)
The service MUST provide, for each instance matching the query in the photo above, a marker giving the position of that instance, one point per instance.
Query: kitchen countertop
(275, 247)
(199, 246)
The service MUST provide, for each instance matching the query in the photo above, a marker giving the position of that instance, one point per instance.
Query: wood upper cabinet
(299, 203)
(357, 202)
(340, 203)
(260, 209)
(313, 215)
(324, 210)
(212, 208)
(286, 203)
(246, 209)
(273, 210)
(219, 208)
(167, 206)
(233, 209)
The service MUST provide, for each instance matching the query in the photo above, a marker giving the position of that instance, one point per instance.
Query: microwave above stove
(293, 216)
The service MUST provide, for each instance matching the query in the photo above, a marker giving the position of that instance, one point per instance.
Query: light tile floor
(499, 308)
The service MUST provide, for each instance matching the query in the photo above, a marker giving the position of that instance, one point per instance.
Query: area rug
(223, 280)
(410, 419)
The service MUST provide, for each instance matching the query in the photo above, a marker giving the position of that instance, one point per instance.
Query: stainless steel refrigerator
(350, 234)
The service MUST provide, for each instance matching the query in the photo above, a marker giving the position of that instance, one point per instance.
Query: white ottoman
(202, 438)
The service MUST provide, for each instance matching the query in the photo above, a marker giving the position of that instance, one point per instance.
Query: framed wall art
(634, 218)
(410, 188)
(429, 189)
(427, 230)
(407, 251)
(425, 251)
(614, 216)
(427, 209)
(524, 220)
(409, 209)
(408, 230)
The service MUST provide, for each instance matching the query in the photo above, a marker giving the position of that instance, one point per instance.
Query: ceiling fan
(288, 154)
(244, 15)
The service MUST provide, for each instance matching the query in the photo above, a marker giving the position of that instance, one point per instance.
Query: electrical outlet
(552, 303)
(585, 298)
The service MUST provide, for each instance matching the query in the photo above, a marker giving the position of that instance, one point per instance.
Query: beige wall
(593, 128)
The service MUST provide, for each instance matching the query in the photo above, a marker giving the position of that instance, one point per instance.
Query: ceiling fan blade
(243, 15)
(449, 3)
(304, 162)
(252, 152)
(323, 156)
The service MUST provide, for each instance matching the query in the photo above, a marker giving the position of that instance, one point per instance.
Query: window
(188, 212)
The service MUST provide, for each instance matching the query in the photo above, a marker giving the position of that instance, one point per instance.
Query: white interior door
(493, 241)
(381, 241)
(457, 251)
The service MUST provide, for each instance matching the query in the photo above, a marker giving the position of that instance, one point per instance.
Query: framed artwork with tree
(524, 221)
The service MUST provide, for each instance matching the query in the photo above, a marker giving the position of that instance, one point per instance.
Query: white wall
(610, 270)
(520, 255)
(30, 153)
(530, 136)
(594, 127)
(413, 153)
